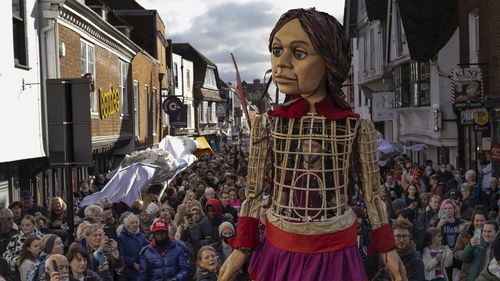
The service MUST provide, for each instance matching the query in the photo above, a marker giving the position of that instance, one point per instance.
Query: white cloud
(240, 27)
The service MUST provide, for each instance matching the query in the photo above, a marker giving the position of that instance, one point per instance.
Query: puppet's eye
(277, 51)
(299, 54)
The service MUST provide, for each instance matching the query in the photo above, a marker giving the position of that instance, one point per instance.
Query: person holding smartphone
(478, 254)
(57, 268)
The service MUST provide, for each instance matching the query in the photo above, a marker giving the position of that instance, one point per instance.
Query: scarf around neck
(410, 249)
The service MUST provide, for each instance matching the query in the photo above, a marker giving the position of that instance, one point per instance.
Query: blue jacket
(173, 263)
(130, 245)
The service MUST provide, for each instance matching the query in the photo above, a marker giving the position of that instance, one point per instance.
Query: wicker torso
(311, 193)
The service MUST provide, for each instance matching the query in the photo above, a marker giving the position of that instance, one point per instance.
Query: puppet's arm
(250, 208)
(382, 239)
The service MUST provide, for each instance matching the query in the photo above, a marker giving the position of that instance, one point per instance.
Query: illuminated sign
(109, 102)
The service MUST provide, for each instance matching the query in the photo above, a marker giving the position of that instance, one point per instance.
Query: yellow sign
(109, 102)
(481, 117)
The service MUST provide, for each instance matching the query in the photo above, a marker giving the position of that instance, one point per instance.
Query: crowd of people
(445, 225)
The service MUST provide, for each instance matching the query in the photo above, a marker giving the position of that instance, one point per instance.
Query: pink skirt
(272, 264)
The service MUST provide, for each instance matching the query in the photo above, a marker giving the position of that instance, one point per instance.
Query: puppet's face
(297, 66)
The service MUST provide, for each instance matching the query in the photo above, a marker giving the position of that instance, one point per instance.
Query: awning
(202, 147)
(210, 95)
(417, 147)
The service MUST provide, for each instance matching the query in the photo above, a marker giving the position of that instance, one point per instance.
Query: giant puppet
(310, 230)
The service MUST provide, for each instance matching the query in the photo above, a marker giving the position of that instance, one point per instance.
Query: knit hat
(225, 225)
(50, 240)
(398, 204)
(159, 225)
(152, 208)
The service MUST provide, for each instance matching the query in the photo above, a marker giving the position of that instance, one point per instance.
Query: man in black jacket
(407, 250)
(7, 231)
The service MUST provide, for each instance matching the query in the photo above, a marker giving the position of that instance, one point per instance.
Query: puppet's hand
(233, 265)
(394, 265)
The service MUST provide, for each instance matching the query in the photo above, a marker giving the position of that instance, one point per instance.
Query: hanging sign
(172, 105)
(467, 88)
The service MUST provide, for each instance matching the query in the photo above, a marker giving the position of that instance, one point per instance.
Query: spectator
(145, 221)
(436, 257)
(407, 250)
(449, 222)
(234, 199)
(228, 211)
(469, 201)
(130, 242)
(492, 272)
(163, 258)
(464, 238)
(209, 194)
(436, 188)
(78, 259)
(16, 208)
(29, 207)
(223, 249)
(190, 232)
(104, 255)
(28, 256)
(57, 216)
(8, 230)
(484, 168)
(392, 186)
(14, 247)
(62, 271)
(206, 264)
(480, 251)
(50, 244)
(209, 227)
(444, 175)
(411, 197)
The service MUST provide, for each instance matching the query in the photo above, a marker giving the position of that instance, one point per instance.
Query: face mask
(226, 239)
(443, 170)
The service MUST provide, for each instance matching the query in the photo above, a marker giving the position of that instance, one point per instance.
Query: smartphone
(54, 266)
(444, 214)
(477, 233)
(189, 216)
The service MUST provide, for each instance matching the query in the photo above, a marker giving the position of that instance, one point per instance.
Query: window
(153, 110)
(359, 97)
(136, 108)
(146, 113)
(213, 112)
(188, 80)
(372, 48)
(176, 76)
(19, 33)
(123, 87)
(474, 37)
(189, 118)
(210, 78)
(420, 83)
(87, 65)
(401, 76)
(204, 112)
(365, 52)
(399, 35)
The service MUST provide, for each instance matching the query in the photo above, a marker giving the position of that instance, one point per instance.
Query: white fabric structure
(142, 168)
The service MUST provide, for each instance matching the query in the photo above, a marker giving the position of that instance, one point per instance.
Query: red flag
(241, 92)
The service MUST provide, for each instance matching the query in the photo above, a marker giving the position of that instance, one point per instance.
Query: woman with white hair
(130, 242)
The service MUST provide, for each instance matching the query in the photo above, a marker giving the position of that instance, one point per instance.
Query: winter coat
(5, 238)
(14, 246)
(475, 258)
(414, 267)
(462, 241)
(430, 264)
(425, 218)
(173, 263)
(130, 245)
(206, 276)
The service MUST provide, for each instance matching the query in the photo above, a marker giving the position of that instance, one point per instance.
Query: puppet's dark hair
(330, 40)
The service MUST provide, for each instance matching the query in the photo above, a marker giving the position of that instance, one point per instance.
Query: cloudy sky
(217, 28)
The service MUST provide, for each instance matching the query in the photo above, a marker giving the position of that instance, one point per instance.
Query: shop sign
(109, 102)
(383, 106)
(467, 88)
(172, 105)
(221, 110)
(179, 120)
(481, 119)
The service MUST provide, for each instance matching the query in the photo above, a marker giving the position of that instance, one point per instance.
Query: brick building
(480, 49)
(89, 37)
